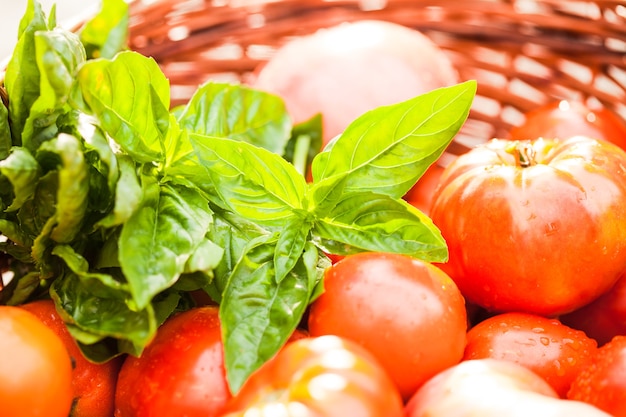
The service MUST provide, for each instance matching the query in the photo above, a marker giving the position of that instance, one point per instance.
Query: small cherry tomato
(93, 384)
(492, 388)
(564, 119)
(547, 347)
(534, 226)
(35, 367)
(407, 312)
(603, 382)
(324, 376)
(603, 318)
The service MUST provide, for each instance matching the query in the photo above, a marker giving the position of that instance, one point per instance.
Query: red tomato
(407, 312)
(35, 368)
(492, 388)
(603, 383)
(605, 317)
(534, 226)
(323, 376)
(564, 119)
(93, 384)
(180, 373)
(546, 346)
(348, 69)
(421, 194)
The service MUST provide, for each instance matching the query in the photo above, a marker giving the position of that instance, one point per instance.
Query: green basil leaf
(73, 188)
(162, 233)
(254, 182)
(205, 258)
(22, 74)
(257, 314)
(233, 234)
(130, 97)
(366, 221)
(58, 54)
(96, 140)
(36, 211)
(240, 113)
(22, 288)
(5, 132)
(14, 233)
(291, 243)
(23, 171)
(128, 194)
(106, 33)
(388, 149)
(305, 143)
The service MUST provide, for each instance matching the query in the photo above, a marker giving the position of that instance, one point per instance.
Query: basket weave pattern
(522, 53)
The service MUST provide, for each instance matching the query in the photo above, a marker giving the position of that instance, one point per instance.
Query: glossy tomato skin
(566, 118)
(603, 318)
(180, 373)
(492, 388)
(603, 383)
(545, 238)
(547, 347)
(407, 312)
(35, 368)
(93, 384)
(323, 376)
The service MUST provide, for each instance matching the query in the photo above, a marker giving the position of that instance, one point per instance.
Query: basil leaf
(128, 194)
(58, 55)
(366, 221)
(257, 314)
(388, 149)
(255, 183)
(163, 233)
(233, 234)
(95, 140)
(129, 95)
(73, 188)
(291, 243)
(5, 132)
(23, 171)
(305, 143)
(240, 113)
(22, 74)
(106, 33)
(36, 211)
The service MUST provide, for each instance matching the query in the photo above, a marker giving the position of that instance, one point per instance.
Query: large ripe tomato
(605, 317)
(603, 383)
(323, 376)
(93, 384)
(407, 312)
(564, 119)
(534, 226)
(35, 368)
(547, 347)
(348, 69)
(493, 388)
(421, 194)
(180, 373)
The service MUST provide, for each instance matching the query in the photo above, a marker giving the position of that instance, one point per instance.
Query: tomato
(93, 384)
(421, 194)
(549, 348)
(492, 388)
(603, 382)
(348, 69)
(35, 368)
(603, 318)
(180, 373)
(323, 376)
(564, 119)
(534, 226)
(407, 312)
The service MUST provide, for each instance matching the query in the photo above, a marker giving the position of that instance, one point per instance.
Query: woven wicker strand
(522, 53)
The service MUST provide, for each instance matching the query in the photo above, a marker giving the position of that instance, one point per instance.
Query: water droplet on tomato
(544, 341)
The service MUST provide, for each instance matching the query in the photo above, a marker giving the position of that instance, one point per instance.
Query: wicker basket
(522, 53)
